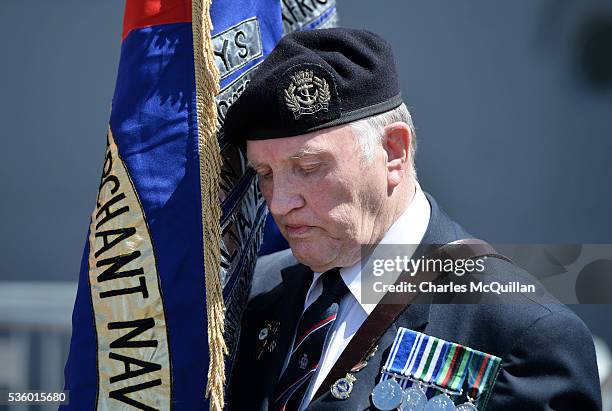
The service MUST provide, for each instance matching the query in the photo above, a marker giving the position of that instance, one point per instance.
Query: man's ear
(397, 141)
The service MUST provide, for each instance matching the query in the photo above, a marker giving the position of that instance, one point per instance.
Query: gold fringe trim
(207, 87)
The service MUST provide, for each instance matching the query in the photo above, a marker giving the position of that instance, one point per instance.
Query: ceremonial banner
(178, 218)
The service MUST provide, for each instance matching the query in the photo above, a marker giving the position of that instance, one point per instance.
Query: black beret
(313, 80)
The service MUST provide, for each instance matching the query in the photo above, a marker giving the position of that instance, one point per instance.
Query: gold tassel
(207, 87)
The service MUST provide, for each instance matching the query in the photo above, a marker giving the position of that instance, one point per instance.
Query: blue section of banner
(268, 12)
(155, 127)
(81, 376)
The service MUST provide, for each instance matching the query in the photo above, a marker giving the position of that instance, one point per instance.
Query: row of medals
(388, 395)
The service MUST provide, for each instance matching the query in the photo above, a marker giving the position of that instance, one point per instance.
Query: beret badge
(307, 94)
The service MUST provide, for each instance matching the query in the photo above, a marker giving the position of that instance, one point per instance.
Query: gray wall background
(514, 141)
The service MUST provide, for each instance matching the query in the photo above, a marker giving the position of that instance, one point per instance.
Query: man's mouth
(297, 229)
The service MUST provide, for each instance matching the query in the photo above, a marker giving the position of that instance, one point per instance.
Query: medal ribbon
(433, 361)
(482, 373)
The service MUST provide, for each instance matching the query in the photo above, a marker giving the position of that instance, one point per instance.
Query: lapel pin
(263, 334)
(265, 337)
(343, 387)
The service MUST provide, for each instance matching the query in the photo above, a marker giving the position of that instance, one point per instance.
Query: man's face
(324, 198)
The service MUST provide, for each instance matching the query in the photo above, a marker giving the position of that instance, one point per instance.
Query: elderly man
(333, 145)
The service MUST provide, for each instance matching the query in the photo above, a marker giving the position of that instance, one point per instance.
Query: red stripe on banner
(147, 13)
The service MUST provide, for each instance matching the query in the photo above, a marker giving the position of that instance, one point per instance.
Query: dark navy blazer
(548, 358)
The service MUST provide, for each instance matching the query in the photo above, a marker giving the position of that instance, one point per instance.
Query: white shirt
(409, 228)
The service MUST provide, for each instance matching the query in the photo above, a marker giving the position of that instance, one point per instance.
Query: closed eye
(265, 174)
(308, 170)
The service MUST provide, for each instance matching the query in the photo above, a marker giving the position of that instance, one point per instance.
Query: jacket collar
(296, 280)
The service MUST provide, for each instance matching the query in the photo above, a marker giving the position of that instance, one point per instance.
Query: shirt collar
(408, 229)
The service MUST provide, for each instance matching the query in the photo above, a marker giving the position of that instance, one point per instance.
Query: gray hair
(369, 132)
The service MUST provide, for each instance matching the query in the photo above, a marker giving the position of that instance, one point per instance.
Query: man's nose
(285, 197)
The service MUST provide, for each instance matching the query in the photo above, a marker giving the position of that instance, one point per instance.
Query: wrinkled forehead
(334, 141)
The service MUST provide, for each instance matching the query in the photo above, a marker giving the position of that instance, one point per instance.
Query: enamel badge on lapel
(342, 388)
(266, 337)
(427, 373)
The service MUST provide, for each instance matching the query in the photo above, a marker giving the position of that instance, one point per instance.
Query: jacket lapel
(296, 281)
(284, 313)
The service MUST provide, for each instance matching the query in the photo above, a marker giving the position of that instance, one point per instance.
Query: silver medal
(468, 406)
(387, 395)
(414, 399)
(440, 402)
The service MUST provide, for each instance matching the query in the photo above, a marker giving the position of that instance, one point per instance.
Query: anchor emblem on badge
(305, 97)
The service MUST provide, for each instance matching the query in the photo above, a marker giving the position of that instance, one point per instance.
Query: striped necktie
(316, 322)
